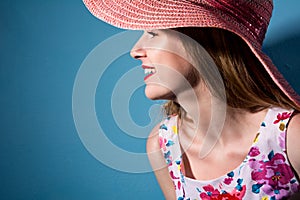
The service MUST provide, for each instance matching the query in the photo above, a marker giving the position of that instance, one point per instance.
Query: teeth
(150, 71)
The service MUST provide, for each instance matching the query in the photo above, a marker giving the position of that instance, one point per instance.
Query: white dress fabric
(265, 173)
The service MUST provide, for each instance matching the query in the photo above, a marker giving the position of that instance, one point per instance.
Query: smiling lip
(146, 77)
(148, 67)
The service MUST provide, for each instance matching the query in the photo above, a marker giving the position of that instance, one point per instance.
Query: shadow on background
(285, 55)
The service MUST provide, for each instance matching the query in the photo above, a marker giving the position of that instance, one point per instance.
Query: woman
(232, 123)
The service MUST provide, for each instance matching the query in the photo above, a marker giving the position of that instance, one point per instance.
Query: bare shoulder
(158, 164)
(293, 142)
(153, 140)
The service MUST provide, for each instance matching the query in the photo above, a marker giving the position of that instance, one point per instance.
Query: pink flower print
(210, 193)
(254, 164)
(254, 151)
(282, 116)
(179, 185)
(295, 186)
(238, 194)
(273, 171)
(213, 194)
(173, 176)
(272, 176)
(279, 192)
(162, 143)
(227, 181)
(281, 175)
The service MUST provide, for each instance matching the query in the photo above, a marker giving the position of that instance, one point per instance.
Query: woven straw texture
(247, 18)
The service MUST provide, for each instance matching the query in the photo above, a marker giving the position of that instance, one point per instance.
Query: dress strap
(169, 144)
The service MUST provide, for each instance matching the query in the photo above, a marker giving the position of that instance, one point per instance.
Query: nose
(138, 53)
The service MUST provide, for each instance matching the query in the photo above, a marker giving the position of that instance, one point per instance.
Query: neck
(209, 122)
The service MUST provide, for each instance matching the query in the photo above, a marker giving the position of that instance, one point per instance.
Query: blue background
(42, 45)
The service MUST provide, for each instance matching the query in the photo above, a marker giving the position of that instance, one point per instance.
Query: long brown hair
(247, 84)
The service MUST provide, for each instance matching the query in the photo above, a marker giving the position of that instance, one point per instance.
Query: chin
(155, 92)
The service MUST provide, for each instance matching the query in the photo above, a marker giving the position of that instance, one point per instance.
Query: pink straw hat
(248, 19)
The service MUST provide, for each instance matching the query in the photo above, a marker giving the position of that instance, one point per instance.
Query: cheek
(188, 71)
(172, 71)
(178, 74)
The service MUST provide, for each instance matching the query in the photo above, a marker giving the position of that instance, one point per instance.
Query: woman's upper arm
(293, 142)
(159, 166)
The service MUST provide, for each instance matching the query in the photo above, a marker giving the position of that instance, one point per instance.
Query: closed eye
(152, 34)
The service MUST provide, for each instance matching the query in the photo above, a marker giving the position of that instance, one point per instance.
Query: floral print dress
(264, 174)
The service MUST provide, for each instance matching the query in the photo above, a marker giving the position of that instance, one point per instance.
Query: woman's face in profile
(165, 64)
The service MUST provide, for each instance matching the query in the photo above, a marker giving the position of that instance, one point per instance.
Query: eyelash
(152, 34)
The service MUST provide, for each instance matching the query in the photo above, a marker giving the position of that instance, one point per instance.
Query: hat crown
(247, 18)
(253, 16)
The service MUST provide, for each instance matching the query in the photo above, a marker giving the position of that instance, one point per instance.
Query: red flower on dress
(227, 181)
(282, 116)
(214, 194)
(254, 151)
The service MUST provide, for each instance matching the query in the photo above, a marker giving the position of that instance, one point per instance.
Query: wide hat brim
(149, 14)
